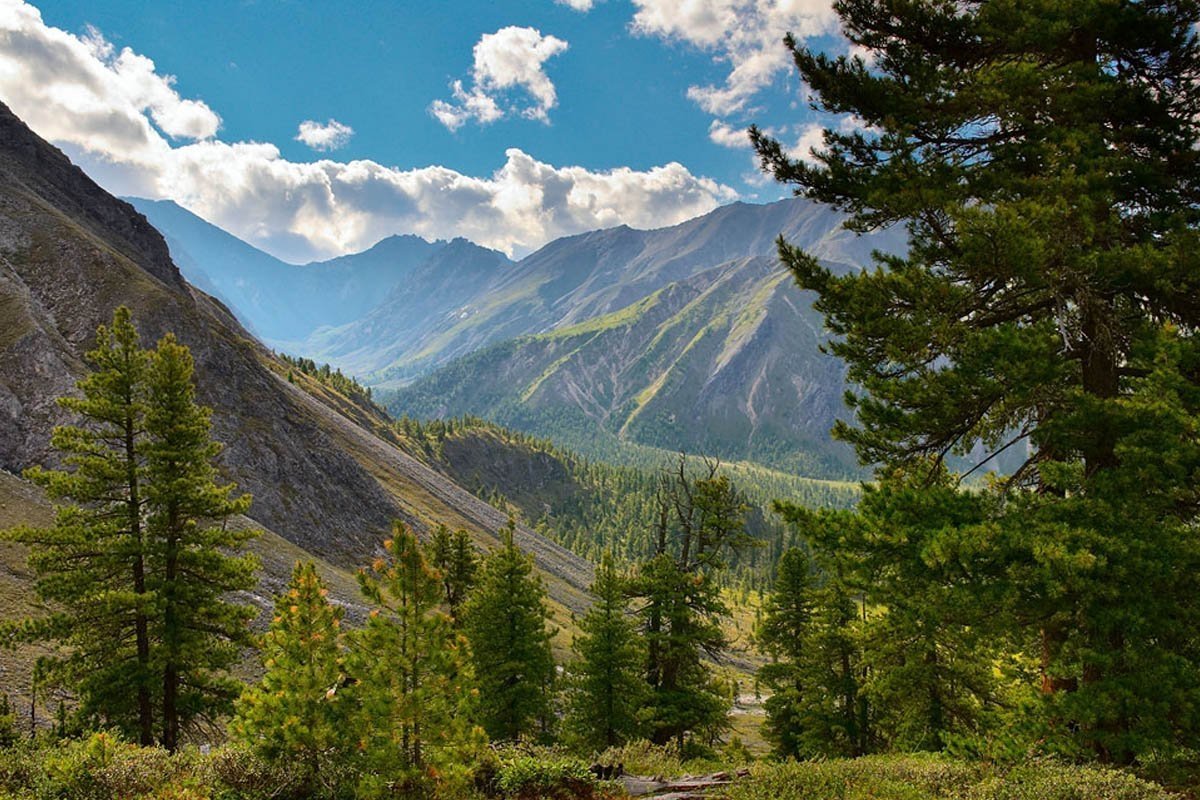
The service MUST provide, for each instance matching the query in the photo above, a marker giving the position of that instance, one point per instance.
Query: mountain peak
(46, 171)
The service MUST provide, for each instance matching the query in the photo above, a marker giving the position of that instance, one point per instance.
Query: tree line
(144, 566)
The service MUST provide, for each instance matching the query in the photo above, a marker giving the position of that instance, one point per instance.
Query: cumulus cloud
(726, 135)
(510, 59)
(324, 137)
(121, 121)
(579, 5)
(746, 35)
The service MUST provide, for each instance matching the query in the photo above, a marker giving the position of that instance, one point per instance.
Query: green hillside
(726, 362)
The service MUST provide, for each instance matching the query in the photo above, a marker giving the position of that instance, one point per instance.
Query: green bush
(1062, 782)
(645, 758)
(538, 774)
(235, 773)
(919, 777)
(100, 767)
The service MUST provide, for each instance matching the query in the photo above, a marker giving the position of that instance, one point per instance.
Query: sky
(313, 129)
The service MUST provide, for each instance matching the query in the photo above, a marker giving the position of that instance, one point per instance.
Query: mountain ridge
(70, 253)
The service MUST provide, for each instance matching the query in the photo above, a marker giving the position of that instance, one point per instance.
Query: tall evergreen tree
(1042, 158)
(410, 672)
(296, 713)
(700, 520)
(453, 556)
(606, 687)
(506, 624)
(91, 563)
(192, 540)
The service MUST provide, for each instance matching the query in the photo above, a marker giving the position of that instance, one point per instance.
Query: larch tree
(453, 556)
(1042, 157)
(700, 521)
(297, 713)
(193, 542)
(411, 677)
(91, 563)
(506, 622)
(605, 684)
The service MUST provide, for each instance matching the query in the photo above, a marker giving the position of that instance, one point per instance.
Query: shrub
(646, 758)
(235, 773)
(921, 777)
(534, 774)
(1048, 781)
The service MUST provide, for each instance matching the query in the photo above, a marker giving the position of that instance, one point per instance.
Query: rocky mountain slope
(687, 337)
(574, 279)
(725, 362)
(70, 253)
(284, 303)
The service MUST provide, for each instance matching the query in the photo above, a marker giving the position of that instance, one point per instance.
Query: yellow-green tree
(297, 714)
(411, 679)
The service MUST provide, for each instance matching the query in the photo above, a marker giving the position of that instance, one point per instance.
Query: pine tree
(191, 537)
(91, 564)
(296, 714)
(505, 621)
(410, 672)
(1042, 158)
(700, 521)
(605, 683)
(453, 556)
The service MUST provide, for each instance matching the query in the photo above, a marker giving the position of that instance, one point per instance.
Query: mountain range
(328, 476)
(689, 337)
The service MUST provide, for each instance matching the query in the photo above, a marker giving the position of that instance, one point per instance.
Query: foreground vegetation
(101, 767)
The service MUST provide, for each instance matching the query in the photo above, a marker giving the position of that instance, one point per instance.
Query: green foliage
(90, 565)
(1042, 158)
(453, 556)
(200, 632)
(810, 630)
(506, 624)
(136, 564)
(700, 519)
(296, 713)
(104, 767)
(411, 680)
(542, 774)
(937, 778)
(8, 723)
(605, 685)
(333, 378)
(591, 507)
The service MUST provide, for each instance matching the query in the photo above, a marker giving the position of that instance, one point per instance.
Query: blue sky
(630, 86)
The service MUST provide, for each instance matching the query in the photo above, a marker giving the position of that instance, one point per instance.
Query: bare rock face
(70, 253)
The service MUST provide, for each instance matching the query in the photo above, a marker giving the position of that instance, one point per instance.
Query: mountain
(725, 362)
(691, 337)
(283, 303)
(573, 279)
(429, 296)
(687, 337)
(324, 476)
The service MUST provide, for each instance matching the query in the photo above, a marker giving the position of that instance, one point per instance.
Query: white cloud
(509, 59)
(579, 5)
(104, 109)
(726, 135)
(745, 34)
(324, 137)
(812, 137)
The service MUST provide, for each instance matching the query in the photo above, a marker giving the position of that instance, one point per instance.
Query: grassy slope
(686, 366)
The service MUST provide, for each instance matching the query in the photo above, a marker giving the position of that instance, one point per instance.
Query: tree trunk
(170, 634)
